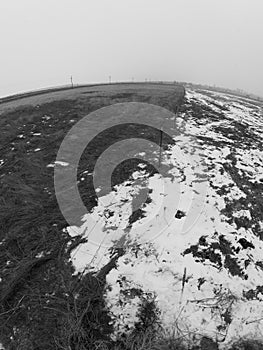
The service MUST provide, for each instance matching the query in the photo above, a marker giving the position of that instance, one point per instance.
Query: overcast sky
(44, 42)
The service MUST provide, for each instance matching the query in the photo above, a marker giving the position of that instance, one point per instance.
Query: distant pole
(110, 79)
(71, 80)
(161, 145)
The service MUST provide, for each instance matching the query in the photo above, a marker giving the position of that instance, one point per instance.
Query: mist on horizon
(207, 41)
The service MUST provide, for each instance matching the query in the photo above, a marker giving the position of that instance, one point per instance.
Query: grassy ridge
(43, 305)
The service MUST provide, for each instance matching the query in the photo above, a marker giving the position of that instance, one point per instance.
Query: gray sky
(44, 42)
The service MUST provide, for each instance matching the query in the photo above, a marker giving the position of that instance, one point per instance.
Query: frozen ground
(196, 251)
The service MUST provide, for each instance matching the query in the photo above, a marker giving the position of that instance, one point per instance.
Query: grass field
(39, 309)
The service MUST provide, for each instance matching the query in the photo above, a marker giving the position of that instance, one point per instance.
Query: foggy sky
(44, 42)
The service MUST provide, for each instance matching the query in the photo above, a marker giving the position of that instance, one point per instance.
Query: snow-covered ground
(197, 249)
